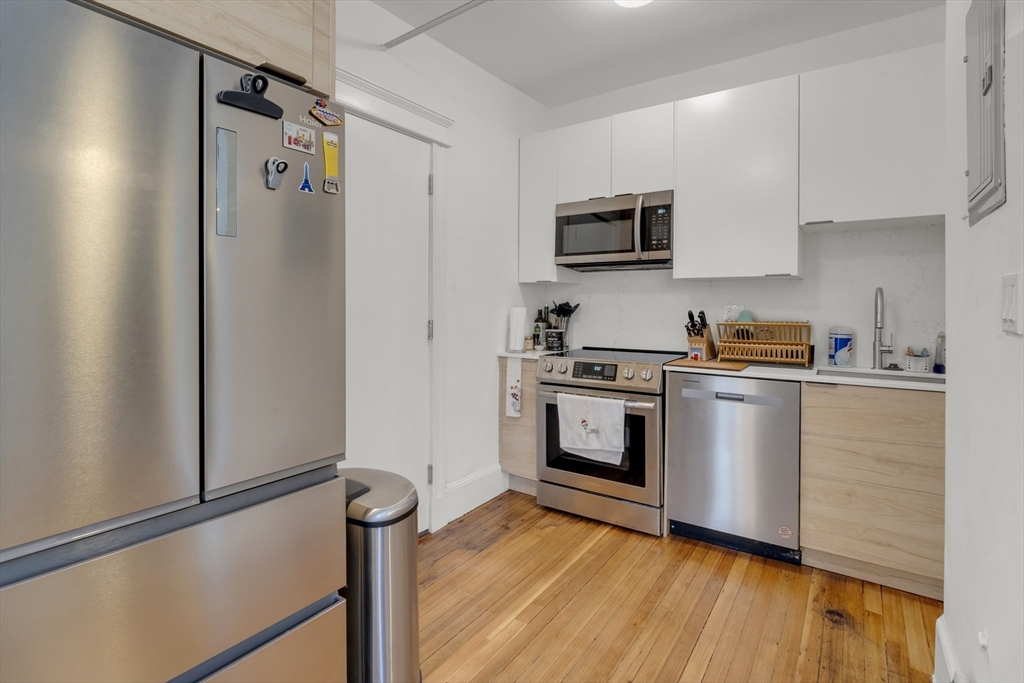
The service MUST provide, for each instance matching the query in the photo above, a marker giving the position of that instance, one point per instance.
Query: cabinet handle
(819, 222)
(778, 275)
(283, 74)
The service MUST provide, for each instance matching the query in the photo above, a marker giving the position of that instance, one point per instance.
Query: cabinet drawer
(154, 610)
(313, 651)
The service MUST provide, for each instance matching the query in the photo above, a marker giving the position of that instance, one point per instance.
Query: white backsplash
(647, 309)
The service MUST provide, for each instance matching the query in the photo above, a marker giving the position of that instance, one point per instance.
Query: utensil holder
(917, 363)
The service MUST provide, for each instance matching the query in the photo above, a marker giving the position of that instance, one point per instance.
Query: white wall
(984, 574)
(481, 254)
(903, 33)
(647, 309)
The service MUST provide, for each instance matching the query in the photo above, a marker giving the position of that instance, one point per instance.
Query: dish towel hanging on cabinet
(592, 427)
(514, 387)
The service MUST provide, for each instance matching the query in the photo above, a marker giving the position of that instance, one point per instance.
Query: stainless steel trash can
(383, 589)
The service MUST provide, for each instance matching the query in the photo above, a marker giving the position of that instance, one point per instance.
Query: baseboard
(471, 492)
(868, 571)
(522, 485)
(945, 659)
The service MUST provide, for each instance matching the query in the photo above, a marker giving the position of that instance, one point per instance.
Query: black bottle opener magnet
(251, 98)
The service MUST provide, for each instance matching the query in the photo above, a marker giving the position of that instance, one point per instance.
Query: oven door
(639, 476)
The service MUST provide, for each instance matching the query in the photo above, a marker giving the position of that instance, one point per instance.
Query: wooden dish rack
(765, 342)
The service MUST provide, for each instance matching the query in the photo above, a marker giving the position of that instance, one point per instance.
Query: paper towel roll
(516, 328)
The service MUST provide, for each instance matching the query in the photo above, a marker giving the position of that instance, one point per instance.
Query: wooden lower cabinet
(517, 436)
(872, 481)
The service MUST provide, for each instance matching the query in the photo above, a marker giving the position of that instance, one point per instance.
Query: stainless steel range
(630, 493)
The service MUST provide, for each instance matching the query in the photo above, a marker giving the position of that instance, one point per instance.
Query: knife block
(705, 346)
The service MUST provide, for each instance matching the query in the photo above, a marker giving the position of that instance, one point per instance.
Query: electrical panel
(986, 159)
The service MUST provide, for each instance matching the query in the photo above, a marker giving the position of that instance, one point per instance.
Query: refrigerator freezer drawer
(312, 652)
(158, 609)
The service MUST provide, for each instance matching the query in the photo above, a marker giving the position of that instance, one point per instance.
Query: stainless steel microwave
(627, 232)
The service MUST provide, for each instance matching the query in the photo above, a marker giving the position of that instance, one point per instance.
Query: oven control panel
(641, 377)
(601, 371)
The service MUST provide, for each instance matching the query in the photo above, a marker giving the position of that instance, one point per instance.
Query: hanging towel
(592, 427)
(514, 387)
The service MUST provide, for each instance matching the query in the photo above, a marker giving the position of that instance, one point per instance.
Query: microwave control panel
(659, 227)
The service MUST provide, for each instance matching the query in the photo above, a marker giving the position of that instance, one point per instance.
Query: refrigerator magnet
(331, 184)
(275, 169)
(298, 137)
(305, 185)
(326, 116)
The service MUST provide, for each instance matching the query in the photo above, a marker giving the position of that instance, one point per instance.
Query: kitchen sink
(878, 375)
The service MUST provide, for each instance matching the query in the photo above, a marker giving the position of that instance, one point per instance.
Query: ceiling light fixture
(631, 3)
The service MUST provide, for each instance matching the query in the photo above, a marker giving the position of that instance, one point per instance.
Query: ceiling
(560, 51)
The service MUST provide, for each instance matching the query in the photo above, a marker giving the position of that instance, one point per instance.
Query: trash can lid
(391, 496)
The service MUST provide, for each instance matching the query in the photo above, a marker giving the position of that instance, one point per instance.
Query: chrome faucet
(878, 348)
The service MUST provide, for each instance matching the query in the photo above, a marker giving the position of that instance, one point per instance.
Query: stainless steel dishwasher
(732, 452)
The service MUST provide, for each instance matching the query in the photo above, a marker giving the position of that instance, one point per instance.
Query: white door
(387, 239)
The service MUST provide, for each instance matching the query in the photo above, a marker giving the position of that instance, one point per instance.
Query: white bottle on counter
(840, 346)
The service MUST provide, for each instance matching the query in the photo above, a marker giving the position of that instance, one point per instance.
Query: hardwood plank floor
(516, 592)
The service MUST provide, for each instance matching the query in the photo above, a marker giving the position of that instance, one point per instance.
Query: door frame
(437, 222)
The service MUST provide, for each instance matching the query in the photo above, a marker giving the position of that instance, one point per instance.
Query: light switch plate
(1012, 304)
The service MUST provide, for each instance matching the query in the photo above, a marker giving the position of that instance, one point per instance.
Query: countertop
(863, 377)
(525, 355)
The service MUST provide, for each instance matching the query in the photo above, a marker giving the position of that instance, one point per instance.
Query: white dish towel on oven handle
(514, 387)
(592, 427)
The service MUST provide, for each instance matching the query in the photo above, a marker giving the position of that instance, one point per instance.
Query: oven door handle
(636, 226)
(629, 404)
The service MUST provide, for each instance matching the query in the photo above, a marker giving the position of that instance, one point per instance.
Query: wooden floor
(516, 592)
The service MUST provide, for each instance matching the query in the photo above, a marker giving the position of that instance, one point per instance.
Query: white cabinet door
(643, 150)
(585, 161)
(871, 138)
(538, 194)
(736, 194)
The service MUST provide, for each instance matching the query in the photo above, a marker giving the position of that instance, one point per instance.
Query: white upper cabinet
(585, 161)
(538, 194)
(643, 157)
(871, 139)
(736, 193)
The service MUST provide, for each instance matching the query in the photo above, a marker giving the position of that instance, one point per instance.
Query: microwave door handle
(636, 225)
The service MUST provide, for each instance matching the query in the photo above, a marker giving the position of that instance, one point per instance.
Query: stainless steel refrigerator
(172, 359)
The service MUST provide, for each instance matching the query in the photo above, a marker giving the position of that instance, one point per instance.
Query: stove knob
(563, 368)
(646, 375)
(548, 367)
(629, 373)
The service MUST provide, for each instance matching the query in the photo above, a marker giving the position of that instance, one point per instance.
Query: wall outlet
(1012, 309)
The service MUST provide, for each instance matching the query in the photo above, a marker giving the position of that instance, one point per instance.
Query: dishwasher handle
(746, 399)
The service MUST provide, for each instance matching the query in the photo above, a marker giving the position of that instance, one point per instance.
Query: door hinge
(430, 474)
(430, 330)
(430, 184)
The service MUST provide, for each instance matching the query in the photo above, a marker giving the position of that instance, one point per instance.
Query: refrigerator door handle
(227, 182)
